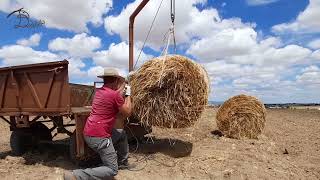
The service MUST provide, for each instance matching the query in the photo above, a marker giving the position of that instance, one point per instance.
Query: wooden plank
(51, 80)
(62, 109)
(81, 110)
(15, 83)
(3, 90)
(62, 63)
(33, 113)
(81, 145)
(33, 91)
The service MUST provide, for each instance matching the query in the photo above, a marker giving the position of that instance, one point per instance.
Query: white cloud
(75, 66)
(246, 82)
(266, 82)
(228, 42)
(312, 68)
(34, 40)
(190, 22)
(270, 55)
(70, 15)
(237, 58)
(241, 46)
(260, 2)
(286, 56)
(310, 75)
(315, 44)
(278, 92)
(17, 55)
(224, 70)
(306, 22)
(316, 55)
(4, 5)
(117, 56)
(80, 45)
(95, 71)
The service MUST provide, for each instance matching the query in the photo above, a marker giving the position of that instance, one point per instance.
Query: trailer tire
(20, 142)
(40, 132)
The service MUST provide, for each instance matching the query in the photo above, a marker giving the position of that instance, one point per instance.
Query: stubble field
(289, 148)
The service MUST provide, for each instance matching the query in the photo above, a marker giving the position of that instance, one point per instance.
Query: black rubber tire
(24, 139)
(40, 132)
(20, 141)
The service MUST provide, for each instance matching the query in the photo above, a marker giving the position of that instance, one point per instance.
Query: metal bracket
(22, 121)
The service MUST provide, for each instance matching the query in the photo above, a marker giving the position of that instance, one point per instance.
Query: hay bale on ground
(241, 116)
(169, 91)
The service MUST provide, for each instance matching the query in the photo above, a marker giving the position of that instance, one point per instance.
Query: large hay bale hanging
(241, 116)
(169, 91)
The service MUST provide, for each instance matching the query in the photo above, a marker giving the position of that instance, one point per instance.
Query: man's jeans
(110, 158)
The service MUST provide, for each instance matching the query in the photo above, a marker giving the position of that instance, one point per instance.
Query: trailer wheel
(24, 139)
(40, 132)
(20, 142)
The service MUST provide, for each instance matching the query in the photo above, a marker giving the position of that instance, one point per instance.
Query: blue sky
(266, 48)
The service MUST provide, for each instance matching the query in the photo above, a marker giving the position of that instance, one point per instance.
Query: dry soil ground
(288, 149)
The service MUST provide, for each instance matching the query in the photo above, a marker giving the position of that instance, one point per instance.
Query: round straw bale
(241, 116)
(169, 91)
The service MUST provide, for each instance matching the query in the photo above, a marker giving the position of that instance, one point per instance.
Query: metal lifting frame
(131, 33)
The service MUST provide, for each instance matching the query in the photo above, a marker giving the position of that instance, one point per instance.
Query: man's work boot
(69, 176)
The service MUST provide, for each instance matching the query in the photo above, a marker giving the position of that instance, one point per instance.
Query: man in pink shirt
(99, 132)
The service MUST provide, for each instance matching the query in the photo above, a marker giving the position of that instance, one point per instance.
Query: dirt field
(288, 149)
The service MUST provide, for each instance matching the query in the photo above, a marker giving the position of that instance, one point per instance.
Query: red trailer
(37, 94)
(31, 95)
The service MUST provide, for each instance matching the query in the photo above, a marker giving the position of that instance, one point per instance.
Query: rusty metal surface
(81, 110)
(43, 90)
(83, 152)
(27, 66)
(131, 32)
(40, 89)
(37, 89)
(81, 95)
(22, 122)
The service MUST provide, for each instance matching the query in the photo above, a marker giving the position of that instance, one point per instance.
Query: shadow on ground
(57, 154)
(172, 147)
(52, 155)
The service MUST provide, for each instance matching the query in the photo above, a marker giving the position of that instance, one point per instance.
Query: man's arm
(126, 108)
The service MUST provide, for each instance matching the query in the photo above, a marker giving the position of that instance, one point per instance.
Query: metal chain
(173, 10)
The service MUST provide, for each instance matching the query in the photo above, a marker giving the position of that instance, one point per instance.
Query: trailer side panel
(38, 89)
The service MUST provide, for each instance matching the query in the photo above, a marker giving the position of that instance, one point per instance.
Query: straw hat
(111, 72)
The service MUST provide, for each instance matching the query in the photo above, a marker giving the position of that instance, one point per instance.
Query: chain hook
(173, 10)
